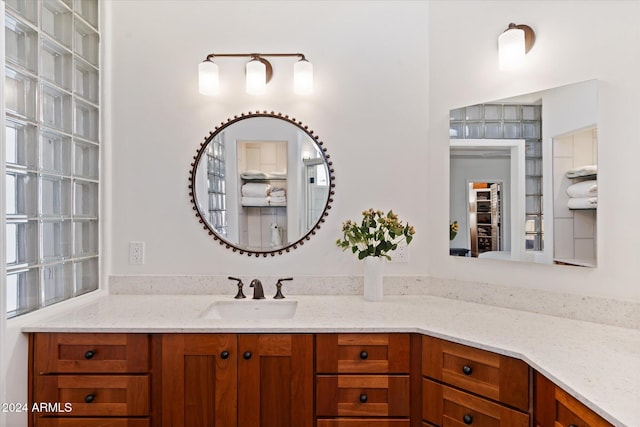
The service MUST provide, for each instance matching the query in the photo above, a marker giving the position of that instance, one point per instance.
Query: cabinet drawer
(95, 395)
(491, 375)
(445, 406)
(362, 353)
(91, 353)
(362, 395)
(93, 422)
(363, 422)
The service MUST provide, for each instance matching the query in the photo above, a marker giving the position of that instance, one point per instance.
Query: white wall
(383, 94)
(370, 107)
(575, 41)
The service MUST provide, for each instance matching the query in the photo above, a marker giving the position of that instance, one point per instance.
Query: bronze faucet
(258, 293)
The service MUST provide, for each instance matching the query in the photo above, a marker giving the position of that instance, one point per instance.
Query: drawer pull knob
(363, 398)
(467, 419)
(467, 370)
(89, 354)
(224, 354)
(247, 355)
(89, 398)
(364, 355)
(572, 425)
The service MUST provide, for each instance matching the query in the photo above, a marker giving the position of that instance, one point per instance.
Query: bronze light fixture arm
(211, 56)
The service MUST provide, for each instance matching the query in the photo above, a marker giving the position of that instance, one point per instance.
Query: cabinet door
(275, 380)
(199, 380)
(555, 407)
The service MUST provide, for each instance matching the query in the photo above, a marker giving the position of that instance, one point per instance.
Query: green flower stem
(377, 234)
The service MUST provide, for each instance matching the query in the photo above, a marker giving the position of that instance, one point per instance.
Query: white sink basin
(251, 309)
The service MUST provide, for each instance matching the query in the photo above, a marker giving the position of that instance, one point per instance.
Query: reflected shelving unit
(485, 217)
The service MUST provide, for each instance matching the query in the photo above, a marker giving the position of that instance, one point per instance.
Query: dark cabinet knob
(247, 355)
(89, 354)
(363, 398)
(364, 355)
(89, 398)
(224, 354)
(467, 419)
(467, 370)
(572, 425)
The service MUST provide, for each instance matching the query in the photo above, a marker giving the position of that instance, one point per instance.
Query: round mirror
(261, 183)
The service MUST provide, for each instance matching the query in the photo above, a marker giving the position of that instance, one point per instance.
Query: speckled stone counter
(597, 364)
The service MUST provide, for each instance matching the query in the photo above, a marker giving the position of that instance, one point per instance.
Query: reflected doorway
(316, 191)
(485, 217)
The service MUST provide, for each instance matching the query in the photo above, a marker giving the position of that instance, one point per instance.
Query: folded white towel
(279, 174)
(278, 199)
(255, 201)
(254, 174)
(583, 203)
(277, 193)
(583, 189)
(582, 171)
(256, 189)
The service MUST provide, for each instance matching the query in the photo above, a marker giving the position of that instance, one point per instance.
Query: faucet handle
(279, 288)
(240, 294)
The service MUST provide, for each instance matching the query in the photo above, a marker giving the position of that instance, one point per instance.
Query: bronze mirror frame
(201, 151)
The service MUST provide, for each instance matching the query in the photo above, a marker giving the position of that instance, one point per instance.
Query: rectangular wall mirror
(523, 177)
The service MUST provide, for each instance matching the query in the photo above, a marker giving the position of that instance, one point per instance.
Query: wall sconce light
(513, 44)
(258, 73)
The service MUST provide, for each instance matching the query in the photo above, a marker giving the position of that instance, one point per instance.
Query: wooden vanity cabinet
(468, 386)
(228, 380)
(555, 407)
(268, 380)
(87, 380)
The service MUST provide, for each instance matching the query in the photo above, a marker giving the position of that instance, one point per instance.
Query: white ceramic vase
(373, 267)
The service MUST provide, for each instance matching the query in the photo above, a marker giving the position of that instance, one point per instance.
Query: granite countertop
(597, 364)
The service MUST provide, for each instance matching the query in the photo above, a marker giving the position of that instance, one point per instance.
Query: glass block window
(216, 167)
(52, 149)
(510, 121)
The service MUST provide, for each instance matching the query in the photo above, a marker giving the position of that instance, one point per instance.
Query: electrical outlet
(401, 254)
(136, 253)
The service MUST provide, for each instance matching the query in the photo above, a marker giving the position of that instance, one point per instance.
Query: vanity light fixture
(513, 44)
(258, 73)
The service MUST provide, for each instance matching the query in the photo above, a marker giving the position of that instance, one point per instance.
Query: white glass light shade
(511, 49)
(208, 78)
(303, 77)
(256, 77)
